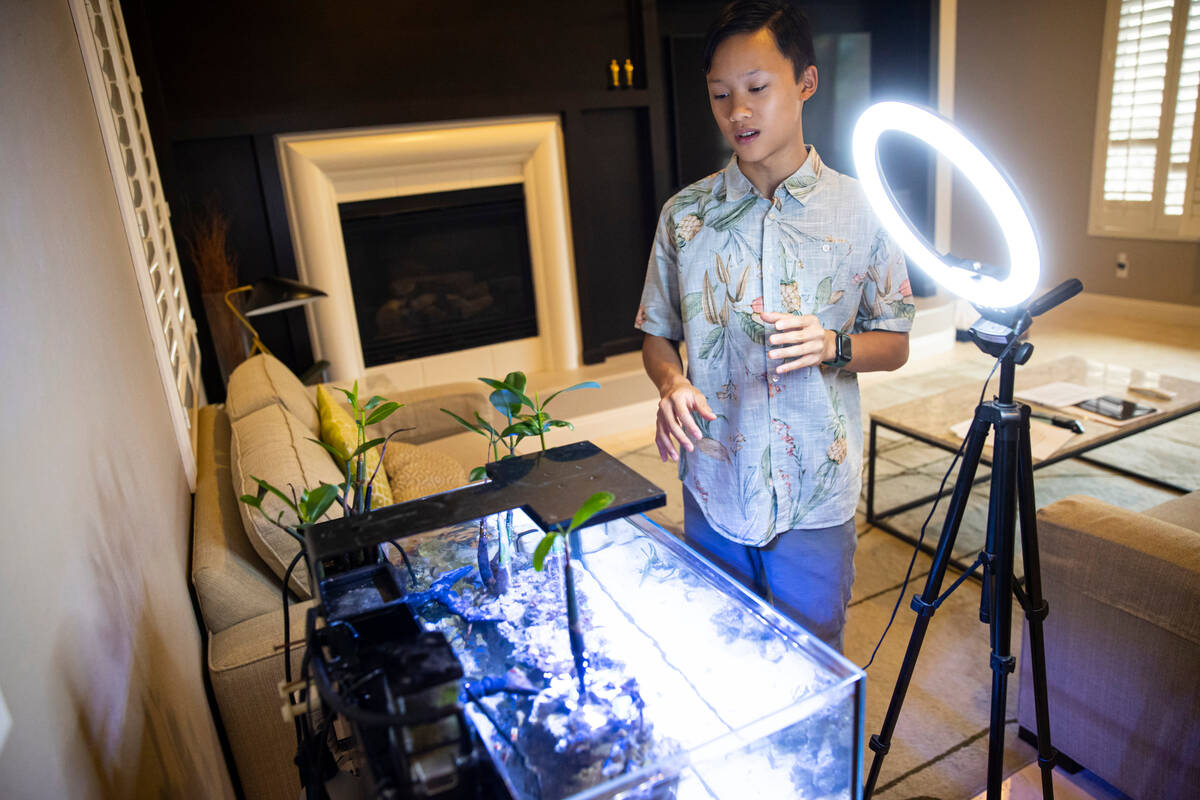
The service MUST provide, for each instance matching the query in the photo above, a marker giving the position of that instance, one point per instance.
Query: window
(1144, 169)
(118, 97)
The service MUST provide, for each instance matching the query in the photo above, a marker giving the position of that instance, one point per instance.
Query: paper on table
(1044, 439)
(1058, 395)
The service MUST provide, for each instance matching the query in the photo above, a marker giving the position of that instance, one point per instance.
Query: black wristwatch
(841, 351)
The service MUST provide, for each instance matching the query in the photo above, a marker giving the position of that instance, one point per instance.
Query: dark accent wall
(222, 81)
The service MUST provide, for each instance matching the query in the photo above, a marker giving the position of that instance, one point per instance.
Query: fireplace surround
(319, 170)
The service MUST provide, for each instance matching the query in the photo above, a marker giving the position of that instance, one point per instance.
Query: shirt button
(825, 247)
(774, 379)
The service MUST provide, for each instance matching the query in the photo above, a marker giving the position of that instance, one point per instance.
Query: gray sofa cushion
(262, 381)
(232, 582)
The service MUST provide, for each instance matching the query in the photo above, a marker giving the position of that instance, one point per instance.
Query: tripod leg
(1034, 605)
(1001, 544)
(924, 604)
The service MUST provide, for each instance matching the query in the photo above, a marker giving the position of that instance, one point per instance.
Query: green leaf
(542, 550)
(487, 426)
(316, 502)
(584, 385)
(590, 508)
(365, 446)
(252, 501)
(506, 401)
(693, 304)
(824, 289)
(754, 330)
(501, 385)
(558, 423)
(477, 474)
(340, 455)
(468, 425)
(522, 428)
(516, 380)
(714, 343)
(383, 412)
(374, 401)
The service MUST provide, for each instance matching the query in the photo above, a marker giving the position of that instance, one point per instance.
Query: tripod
(1011, 490)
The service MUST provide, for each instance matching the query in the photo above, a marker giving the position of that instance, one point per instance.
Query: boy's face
(757, 101)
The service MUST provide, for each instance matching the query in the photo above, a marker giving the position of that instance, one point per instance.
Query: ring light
(993, 187)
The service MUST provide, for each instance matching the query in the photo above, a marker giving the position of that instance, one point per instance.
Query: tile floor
(940, 744)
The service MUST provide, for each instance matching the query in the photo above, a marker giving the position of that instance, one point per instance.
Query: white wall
(100, 657)
(1026, 84)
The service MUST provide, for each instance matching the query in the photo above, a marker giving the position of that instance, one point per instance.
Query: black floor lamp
(268, 295)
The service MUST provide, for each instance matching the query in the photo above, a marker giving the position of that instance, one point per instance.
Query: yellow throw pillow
(338, 430)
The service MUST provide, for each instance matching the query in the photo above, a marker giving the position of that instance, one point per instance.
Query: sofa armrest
(245, 663)
(1146, 567)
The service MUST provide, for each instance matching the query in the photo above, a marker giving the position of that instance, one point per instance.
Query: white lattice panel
(118, 96)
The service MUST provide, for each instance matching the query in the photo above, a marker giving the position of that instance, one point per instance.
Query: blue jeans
(805, 573)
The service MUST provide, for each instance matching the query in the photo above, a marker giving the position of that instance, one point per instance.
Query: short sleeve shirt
(785, 451)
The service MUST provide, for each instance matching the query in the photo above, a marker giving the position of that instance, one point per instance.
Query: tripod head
(998, 330)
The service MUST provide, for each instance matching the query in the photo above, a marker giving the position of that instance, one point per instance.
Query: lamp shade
(275, 294)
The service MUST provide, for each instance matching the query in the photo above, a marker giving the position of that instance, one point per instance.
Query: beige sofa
(1122, 642)
(238, 591)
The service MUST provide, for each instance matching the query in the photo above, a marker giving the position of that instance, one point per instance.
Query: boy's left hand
(800, 339)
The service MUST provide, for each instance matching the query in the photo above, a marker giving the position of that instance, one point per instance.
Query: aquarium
(693, 687)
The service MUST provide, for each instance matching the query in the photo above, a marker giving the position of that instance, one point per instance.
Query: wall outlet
(1122, 265)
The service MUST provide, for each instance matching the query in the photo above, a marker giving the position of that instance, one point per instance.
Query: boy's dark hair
(789, 26)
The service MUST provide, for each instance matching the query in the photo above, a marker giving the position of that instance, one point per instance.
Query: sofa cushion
(1182, 511)
(232, 582)
(339, 430)
(419, 470)
(420, 418)
(273, 445)
(263, 380)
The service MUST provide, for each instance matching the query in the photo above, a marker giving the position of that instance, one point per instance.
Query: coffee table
(928, 420)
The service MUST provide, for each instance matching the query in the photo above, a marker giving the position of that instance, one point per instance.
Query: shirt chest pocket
(817, 280)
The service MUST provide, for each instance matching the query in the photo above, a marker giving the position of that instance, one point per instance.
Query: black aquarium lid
(549, 486)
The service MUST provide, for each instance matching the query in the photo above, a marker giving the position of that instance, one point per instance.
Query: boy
(783, 285)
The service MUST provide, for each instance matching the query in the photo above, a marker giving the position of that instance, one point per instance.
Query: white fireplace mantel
(322, 169)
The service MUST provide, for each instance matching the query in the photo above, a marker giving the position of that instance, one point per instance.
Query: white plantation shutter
(117, 93)
(1185, 116)
(1144, 163)
(1139, 76)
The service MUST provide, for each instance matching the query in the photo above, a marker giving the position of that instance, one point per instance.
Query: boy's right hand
(676, 427)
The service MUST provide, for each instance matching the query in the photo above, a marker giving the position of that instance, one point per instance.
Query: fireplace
(441, 272)
(515, 162)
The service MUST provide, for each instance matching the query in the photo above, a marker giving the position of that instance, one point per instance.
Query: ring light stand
(1011, 499)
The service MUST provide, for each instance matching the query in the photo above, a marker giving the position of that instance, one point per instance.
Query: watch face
(843, 354)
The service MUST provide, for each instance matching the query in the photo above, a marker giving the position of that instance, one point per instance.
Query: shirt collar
(800, 184)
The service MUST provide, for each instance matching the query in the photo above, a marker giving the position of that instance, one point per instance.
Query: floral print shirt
(785, 451)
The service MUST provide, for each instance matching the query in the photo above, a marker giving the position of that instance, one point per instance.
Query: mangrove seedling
(523, 418)
(592, 506)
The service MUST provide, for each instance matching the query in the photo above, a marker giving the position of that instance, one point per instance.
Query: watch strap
(842, 354)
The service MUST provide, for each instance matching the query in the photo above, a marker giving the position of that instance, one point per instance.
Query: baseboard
(1107, 305)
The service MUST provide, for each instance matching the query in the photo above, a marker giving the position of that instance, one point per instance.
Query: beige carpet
(939, 749)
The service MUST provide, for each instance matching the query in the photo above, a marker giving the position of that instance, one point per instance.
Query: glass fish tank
(627, 667)
(694, 687)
